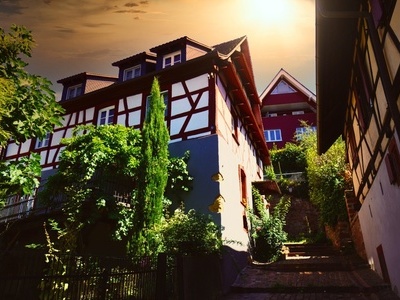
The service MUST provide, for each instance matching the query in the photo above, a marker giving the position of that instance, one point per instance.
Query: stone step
(311, 250)
(325, 272)
(256, 280)
(311, 289)
(306, 264)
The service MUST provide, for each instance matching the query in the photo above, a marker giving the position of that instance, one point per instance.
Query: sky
(75, 36)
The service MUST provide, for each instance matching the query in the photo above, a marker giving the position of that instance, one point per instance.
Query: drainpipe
(380, 58)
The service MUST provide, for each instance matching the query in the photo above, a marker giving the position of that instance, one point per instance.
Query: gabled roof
(283, 75)
(137, 57)
(228, 47)
(81, 77)
(183, 41)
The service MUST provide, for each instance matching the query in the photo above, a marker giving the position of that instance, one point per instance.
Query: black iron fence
(40, 276)
(33, 276)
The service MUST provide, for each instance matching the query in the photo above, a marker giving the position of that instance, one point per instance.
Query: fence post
(180, 277)
(103, 284)
(161, 286)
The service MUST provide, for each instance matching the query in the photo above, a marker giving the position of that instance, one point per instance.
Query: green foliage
(289, 159)
(270, 173)
(296, 188)
(153, 174)
(98, 177)
(266, 230)
(328, 178)
(190, 233)
(19, 177)
(27, 107)
(179, 179)
(97, 170)
(327, 175)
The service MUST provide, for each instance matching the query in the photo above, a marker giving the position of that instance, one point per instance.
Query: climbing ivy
(96, 163)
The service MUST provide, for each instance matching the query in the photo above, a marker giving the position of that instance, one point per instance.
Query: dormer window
(172, 59)
(132, 72)
(74, 91)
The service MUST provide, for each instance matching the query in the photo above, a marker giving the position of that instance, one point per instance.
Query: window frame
(297, 112)
(165, 99)
(392, 160)
(107, 121)
(74, 91)
(132, 69)
(267, 134)
(43, 143)
(172, 56)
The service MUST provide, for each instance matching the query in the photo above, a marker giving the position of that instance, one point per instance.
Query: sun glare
(268, 11)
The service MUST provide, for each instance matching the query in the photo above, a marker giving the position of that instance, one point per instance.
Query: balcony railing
(19, 207)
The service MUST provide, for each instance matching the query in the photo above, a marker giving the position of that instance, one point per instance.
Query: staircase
(310, 269)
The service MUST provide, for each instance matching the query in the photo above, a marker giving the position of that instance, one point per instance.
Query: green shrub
(266, 231)
(191, 232)
(289, 159)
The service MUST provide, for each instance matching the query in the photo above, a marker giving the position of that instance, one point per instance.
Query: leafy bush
(267, 234)
(328, 176)
(295, 188)
(190, 233)
(289, 159)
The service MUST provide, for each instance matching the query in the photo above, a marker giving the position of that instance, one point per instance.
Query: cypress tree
(153, 174)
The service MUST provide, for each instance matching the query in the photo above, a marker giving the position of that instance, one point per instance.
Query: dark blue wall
(203, 163)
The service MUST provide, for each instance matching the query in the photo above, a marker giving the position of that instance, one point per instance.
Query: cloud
(130, 11)
(131, 4)
(96, 25)
(8, 7)
(66, 30)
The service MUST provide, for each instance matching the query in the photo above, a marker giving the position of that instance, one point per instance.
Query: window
(164, 94)
(303, 130)
(132, 72)
(392, 161)
(44, 142)
(364, 90)
(106, 116)
(74, 91)
(298, 112)
(235, 126)
(243, 186)
(273, 135)
(300, 130)
(172, 59)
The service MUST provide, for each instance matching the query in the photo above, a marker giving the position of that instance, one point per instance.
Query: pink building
(285, 104)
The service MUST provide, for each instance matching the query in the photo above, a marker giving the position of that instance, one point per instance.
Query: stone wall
(339, 234)
(353, 206)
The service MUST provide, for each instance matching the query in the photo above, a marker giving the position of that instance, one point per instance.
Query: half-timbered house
(285, 104)
(358, 89)
(212, 110)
